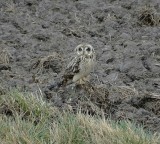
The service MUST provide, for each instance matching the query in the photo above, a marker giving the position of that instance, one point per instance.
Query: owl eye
(88, 49)
(80, 49)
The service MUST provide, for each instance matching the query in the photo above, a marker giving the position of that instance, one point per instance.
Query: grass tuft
(26, 118)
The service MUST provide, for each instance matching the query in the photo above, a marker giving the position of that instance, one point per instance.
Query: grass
(28, 119)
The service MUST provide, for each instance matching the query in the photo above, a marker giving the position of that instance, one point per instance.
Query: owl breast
(86, 66)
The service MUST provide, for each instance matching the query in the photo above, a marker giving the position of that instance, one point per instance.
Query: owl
(80, 66)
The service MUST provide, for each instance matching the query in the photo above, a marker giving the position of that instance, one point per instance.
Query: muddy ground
(37, 38)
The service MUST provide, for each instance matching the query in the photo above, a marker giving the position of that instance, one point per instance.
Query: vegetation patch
(64, 127)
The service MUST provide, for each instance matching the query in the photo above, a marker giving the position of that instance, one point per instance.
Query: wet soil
(37, 38)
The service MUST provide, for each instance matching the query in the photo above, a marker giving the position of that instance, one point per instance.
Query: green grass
(28, 119)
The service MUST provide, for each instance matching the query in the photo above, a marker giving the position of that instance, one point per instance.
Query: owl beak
(83, 52)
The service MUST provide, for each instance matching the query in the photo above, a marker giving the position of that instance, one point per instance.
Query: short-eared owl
(81, 65)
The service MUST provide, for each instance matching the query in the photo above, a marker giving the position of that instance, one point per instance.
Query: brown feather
(71, 70)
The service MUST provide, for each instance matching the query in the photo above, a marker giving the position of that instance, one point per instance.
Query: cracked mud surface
(37, 38)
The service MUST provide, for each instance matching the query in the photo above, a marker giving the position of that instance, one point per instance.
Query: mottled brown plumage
(71, 70)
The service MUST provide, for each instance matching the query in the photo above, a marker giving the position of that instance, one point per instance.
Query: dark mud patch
(118, 103)
(37, 39)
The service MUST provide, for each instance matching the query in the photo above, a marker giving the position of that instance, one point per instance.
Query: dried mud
(37, 38)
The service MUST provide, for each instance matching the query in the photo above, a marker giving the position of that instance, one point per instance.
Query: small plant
(148, 16)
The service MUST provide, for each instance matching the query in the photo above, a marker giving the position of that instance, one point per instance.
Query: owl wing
(72, 69)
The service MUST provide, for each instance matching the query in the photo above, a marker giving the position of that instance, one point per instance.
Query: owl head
(85, 49)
